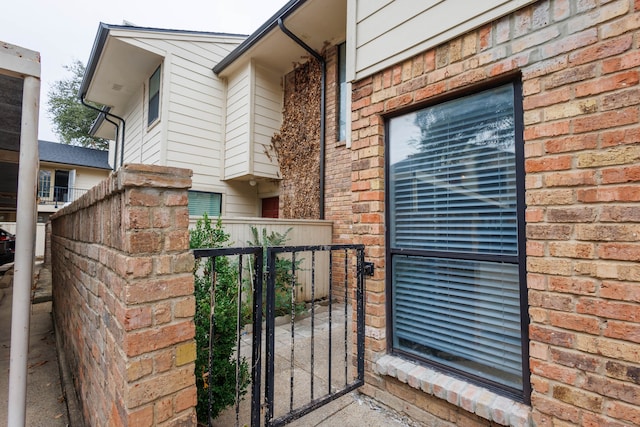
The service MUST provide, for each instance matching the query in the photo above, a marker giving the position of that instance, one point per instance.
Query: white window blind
(452, 186)
(201, 203)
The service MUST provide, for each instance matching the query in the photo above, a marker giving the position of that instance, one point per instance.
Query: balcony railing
(61, 195)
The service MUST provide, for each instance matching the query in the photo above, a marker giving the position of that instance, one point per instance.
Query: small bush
(284, 280)
(223, 380)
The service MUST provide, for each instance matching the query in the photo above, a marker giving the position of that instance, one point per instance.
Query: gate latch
(368, 268)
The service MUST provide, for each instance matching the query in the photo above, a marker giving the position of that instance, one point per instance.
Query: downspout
(115, 149)
(108, 114)
(323, 64)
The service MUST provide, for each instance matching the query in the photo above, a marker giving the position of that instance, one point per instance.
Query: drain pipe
(323, 64)
(115, 148)
(108, 114)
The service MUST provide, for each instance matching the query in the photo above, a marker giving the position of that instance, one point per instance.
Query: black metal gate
(305, 357)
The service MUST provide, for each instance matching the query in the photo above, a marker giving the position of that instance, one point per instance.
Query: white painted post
(24, 254)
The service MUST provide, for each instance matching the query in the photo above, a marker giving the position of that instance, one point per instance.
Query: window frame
(155, 97)
(199, 192)
(44, 178)
(523, 395)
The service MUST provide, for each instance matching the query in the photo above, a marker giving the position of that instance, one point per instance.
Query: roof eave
(257, 35)
(94, 58)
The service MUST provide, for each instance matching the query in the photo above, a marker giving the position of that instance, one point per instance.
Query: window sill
(471, 398)
(153, 124)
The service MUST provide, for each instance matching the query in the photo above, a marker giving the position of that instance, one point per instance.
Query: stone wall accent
(579, 62)
(123, 298)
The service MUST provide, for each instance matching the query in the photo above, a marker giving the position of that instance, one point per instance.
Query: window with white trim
(44, 184)
(154, 97)
(457, 292)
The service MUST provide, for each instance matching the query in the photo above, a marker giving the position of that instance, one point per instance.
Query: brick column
(123, 298)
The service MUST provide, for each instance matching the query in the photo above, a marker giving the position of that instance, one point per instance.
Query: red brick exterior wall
(123, 298)
(337, 194)
(579, 62)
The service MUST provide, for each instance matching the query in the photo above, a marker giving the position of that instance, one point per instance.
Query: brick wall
(123, 298)
(337, 194)
(580, 66)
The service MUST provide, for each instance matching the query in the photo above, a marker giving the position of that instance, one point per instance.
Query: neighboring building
(160, 83)
(491, 171)
(66, 173)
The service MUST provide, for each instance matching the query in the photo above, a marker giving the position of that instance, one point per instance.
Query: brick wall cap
(138, 175)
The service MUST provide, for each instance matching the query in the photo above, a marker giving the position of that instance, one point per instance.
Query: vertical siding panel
(267, 116)
(236, 155)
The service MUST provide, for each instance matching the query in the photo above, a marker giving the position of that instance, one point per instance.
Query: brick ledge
(467, 396)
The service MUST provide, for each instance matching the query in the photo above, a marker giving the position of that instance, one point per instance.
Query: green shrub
(223, 381)
(284, 271)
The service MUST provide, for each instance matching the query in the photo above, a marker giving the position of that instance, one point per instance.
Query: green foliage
(284, 278)
(72, 120)
(223, 381)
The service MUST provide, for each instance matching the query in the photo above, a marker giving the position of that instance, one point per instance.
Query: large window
(154, 97)
(201, 202)
(455, 230)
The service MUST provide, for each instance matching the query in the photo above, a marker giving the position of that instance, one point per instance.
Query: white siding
(386, 32)
(253, 116)
(203, 122)
(195, 102)
(240, 199)
(134, 131)
(267, 118)
(237, 154)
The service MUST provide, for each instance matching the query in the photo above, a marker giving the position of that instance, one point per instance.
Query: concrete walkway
(45, 403)
(350, 410)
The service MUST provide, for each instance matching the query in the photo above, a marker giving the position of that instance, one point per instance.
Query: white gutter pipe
(24, 252)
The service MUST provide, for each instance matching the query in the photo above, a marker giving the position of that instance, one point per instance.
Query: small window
(154, 97)
(44, 184)
(342, 92)
(201, 202)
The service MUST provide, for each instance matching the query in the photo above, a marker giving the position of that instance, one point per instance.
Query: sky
(64, 30)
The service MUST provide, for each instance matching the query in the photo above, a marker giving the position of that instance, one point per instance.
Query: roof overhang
(316, 22)
(122, 59)
(16, 63)
(117, 67)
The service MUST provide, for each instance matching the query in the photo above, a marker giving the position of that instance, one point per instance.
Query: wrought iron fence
(60, 196)
(308, 346)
